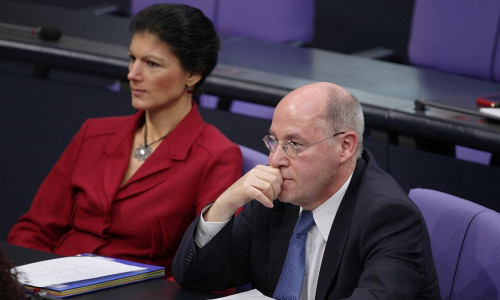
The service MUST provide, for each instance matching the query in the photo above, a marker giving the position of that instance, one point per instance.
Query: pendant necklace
(144, 150)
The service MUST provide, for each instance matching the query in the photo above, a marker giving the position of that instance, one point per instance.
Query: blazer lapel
(118, 153)
(153, 171)
(334, 251)
(339, 234)
(158, 166)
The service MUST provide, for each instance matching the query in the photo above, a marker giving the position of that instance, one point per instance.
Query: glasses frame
(291, 146)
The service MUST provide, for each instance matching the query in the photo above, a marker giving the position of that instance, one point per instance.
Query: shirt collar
(325, 213)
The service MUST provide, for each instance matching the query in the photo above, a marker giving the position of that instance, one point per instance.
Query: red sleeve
(223, 169)
(49, 215)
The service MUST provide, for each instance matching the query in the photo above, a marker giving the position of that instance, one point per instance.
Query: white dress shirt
(317, 237)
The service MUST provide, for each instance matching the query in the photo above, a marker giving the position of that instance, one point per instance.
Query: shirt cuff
(207, 230)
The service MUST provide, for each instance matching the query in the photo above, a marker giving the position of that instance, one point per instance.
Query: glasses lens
(290, 149)
(270, 143)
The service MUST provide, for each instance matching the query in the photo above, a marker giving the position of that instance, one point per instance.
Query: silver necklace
(142, 152)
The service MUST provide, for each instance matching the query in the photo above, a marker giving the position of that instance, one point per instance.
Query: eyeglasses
(291, 148)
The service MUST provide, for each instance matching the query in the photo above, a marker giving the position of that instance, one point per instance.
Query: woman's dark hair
(186, 30)
(9, 286)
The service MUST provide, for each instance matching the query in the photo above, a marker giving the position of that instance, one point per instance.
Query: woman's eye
(152, 64)
(131, 58)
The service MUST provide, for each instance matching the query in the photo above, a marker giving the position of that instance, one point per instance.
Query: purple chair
(281, 21)
(456, 36)
(251, 158)
(496, 67)
(448, 220)
(460, 37)
(478, 270)
(252, 109)
(278, 21)
(207, 6)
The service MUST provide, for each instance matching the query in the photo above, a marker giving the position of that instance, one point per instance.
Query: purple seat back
(252, 109)
(478, 270)
(251, 158)
(456, 36)
(448, 219)
(207, 6)
(496, 63)
(282, 21)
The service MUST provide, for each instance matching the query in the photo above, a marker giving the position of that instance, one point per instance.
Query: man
(367, 241)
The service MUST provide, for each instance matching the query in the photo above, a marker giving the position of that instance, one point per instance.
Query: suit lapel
(338, 236)
(334, 250)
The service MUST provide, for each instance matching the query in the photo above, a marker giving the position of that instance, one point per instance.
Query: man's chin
(285, 197)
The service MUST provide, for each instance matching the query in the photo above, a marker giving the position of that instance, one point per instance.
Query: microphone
(47, 33)
(44, 33)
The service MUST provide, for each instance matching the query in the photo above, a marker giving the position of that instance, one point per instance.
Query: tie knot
(305, 222)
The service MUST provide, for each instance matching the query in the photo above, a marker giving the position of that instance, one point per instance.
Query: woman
(128, 187)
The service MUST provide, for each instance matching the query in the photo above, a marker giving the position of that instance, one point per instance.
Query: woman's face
(157, 79)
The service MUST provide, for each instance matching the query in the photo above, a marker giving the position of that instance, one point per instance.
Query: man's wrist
(218, 213)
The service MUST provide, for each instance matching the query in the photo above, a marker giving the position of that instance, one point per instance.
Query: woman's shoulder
(111, 122)
(107, 125)
(211, 137)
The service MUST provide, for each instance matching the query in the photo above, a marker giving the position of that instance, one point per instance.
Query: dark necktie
(292, 276)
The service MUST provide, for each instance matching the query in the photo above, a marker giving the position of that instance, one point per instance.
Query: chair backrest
(457, 36)
(478, 270)
(448, 219)
(207, 6)
(251, 158)
(282, 21)
(496, 67)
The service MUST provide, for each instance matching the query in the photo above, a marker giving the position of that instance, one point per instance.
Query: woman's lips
(138, 92)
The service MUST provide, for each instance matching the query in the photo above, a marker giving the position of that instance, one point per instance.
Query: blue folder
(99, 283)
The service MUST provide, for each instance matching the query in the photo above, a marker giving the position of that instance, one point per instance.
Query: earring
(189, 90)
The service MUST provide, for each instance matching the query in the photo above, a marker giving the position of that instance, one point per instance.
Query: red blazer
(80, 207)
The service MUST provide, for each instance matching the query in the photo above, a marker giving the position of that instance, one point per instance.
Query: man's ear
(348, 146)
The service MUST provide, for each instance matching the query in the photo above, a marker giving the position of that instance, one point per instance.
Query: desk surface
(264, 72)
(150, 289)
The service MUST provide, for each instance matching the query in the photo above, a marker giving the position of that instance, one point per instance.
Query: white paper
(251, 294)
(68, 269)
(490, 111)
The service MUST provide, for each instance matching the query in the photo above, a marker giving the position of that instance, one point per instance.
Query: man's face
(309, 178)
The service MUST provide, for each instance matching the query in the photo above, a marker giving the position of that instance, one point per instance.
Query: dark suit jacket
(82, 206)
(378, 247)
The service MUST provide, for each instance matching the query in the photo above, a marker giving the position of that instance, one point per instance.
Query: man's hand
(262, 183)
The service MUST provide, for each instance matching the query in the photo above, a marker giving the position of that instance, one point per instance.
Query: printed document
(69, 269)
